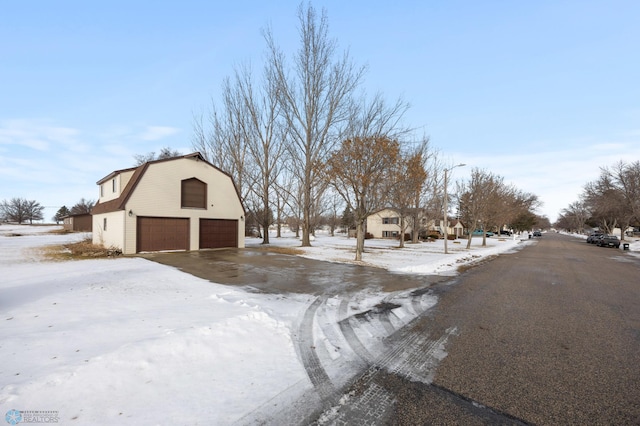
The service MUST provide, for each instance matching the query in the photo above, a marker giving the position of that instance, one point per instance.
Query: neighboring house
(77, 222)
(385, 223)
(180, 203)
(454, 227)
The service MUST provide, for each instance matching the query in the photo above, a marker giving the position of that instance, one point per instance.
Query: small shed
(81, 222)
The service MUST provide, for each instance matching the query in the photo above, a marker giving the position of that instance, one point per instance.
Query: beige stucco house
(454, 227)
(385, 223)
(180, 203)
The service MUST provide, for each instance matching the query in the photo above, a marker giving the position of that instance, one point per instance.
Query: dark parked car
(593, 238)
(609, 241)
(537, 234)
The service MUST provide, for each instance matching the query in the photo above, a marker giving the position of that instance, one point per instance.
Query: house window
(389, 234)
(113, 184)
(390, 220)
(102, 190)
(104, 224)
(193, 194)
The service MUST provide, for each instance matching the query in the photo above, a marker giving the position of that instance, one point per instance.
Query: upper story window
(113, 184)
(390, 220)
(193, 194)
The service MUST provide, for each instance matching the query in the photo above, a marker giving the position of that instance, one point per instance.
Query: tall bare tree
(625, 179)
(605, 202)
(315, 99)
(221, 140)
(256, 111)
(409, 180)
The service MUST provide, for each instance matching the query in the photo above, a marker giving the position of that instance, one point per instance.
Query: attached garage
(218, 233)
(162, 233)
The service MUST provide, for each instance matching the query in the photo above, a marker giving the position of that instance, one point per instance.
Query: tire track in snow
(310, 360)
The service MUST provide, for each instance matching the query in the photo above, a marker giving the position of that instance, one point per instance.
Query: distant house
(180, 203)
(454, 227)
(77, 222)
(385, 223)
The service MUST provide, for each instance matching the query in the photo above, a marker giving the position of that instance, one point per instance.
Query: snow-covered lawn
(421, 258)
(130, 341)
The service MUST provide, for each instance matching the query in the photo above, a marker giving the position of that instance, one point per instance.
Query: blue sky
(542, 93)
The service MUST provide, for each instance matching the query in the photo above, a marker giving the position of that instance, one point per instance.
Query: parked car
(537, 234)
(609, 241)
(478, 232)
(593, 238)
(505, 232)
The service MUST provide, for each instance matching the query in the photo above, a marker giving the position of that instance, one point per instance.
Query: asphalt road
(546, 335)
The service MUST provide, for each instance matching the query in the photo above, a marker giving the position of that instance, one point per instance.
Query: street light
(445, 226)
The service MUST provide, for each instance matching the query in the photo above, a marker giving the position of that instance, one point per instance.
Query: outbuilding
(81, 222)
(179, 203)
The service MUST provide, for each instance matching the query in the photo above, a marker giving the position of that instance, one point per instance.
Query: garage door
(218, 233)
(162, 233)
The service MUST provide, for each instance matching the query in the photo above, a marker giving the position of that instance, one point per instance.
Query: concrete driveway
(262, 270)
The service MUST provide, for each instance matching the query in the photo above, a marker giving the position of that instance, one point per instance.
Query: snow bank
(131, 341)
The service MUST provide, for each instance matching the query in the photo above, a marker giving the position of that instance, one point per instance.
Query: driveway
(545, 335)
(262, 270)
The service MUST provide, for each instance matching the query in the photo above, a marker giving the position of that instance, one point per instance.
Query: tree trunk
(415, 234)
(306, 209)
(266, 212)
(359, 239)
(475, 223)
(265, 236)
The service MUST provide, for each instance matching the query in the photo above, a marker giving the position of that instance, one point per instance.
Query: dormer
(111, 186)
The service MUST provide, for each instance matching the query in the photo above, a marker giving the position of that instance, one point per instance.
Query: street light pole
(445, 207)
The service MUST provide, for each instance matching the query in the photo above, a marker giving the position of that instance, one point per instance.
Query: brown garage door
(162, 233)
(218, 233)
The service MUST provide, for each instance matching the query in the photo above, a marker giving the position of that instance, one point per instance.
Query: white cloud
(153, 133)
(40, 135)
(556, 176)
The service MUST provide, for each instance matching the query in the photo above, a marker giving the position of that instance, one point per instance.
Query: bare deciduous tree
(409, 180)
(475, 199)
(20, 210)
(315, 100)
(361, 172)
(611, 201)
(222, 142)
(165, 152)
(256, 111)
(83, 206)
